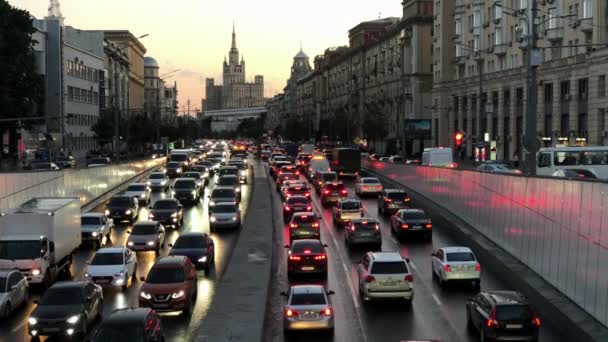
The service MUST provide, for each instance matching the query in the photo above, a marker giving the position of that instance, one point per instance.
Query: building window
(601, 86)
(476, 43)
(477, 18)
(548, 124)
(587, 9)
(582, 89)
(553, 17)
(602, 118)
(70, 93)
(564, 90)
(498, 36)
(458, 27)
(565, 125)
(582, 124)
(548, 93)
(523, 4)
(498, 12)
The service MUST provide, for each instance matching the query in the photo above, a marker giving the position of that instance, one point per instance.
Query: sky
(195, 35)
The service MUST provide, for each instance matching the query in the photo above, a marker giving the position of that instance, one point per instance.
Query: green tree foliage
(251, 128)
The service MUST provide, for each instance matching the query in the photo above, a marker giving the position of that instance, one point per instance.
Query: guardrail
(558, 228)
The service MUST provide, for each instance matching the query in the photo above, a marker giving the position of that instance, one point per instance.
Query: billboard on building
(417, 129)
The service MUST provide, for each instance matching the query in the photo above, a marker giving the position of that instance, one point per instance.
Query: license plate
(366, 234)
(514, 326)
(161, 306)
(389, 283)
(102, 281)
(308, 268)
(309, 316)
(417, 227)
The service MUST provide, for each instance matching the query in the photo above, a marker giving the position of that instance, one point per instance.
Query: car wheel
(35, 339)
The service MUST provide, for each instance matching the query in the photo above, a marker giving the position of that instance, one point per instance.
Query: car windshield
(228, 172)
(297, 200)
(194, 175)
(329, 176)
(513, 312)
(351, 206)
(222, 193)
(303, 218)
(138, 187)
(389, 267)
(371, 181)
(165, 205)
(228, 181)
(107, 259)
(179, 157)
(62, 296)
(173, 165)
(120, 202)
(397, 195)
(308, 299)
(157, 176)
(301, 246)
(119, 333)
(224, 209)
(184, 184)
(166, 275)
(188, 242)
(20, 250)
(62, 159)
(416, 215)
(144, 229)
(90, 220)
(2, 285)
(459, 256)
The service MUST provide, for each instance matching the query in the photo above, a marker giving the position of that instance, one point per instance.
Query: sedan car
(174, 169)
(198, 247)
(295, 204)
(332, 192)
(141, 191)
(225, 215)
(408, 222)
(158, 181)
(67, 308)
(170, 285)
(146, 236)
(391, 200)
(223, 194)
(14, 292)
(450, 264)
(498, 168)
(230, 181)
(201, 181)
(65, 162)
(574, 174)
(130, 324)
(168, 212)
(368, 185)
(95, 228)
(364, 230)
(308, 308)
(113, 267)
(123, 208)
(306, 256)
(294, 188)
(44, 166)
(186, 190)
(282, 177)
(304, 225)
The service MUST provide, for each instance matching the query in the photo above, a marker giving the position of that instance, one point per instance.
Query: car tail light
(307, 251)
(477, 267)
(428, 226)
(492, 322)
(518, 172)
(344, 192)
(309, 208)
(453, 165)
(447, 268)
(326, 192)
(315, 224)
(287, 208)
(294, 225)
(407, 199)
(536, 322)
(405, 226)
(307, 194)
(377, 227)
(370, 278)
(388, 200)
(326, 312)
(351, 227)
(294, 258)
(409, 278)
(290, 313)
(320, 257)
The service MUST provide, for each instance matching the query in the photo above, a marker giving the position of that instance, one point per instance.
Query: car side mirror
(36, 301)
(128, 232)
(170, 245)
(325, 245)
(283, 293)
(89, 299)
(142, 278)
(433, 254)
(330, 293)
(180, 207)
(407, 259)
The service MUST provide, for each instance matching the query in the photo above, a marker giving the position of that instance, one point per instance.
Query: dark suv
(502, 315)
(136, 324)
(391, 200)
(168, 212)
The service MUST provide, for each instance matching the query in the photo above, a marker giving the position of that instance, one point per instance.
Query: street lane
(177, 327)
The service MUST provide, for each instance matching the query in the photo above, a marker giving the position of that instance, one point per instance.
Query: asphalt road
(436, 313)
(176, 327)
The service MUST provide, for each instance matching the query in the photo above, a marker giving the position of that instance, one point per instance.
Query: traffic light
(459, 138)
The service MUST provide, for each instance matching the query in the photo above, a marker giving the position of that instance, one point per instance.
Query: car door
(478, 310)
(21, 283)
(437, 261)
(210, 247)
(362, 268)
(90, 301)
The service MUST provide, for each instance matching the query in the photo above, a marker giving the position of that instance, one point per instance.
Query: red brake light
(307, 194)
(428, 226)
(294, 257)
(447, 268)
(536, 321)
(409, 278)
(407, 199)
(492, 322)
(315, 225)
(369, 279)
(320, 257)
(326, 192)
(309, 208)
(287, 208)
(290, 313)
(326, 312)
(307, 251)
(388, 200)
(294, 225)
(344, 192)
(453, 165)
(405, 226)
(477, 267)
(377, 227)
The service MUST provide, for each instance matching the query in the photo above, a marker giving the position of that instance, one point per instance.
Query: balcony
(460, 60)
(555, 34)
(500, 49)
(586, 24)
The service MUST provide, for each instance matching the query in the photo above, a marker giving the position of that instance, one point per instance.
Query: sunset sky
(195, 35)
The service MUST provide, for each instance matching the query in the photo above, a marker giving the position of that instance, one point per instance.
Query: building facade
(169, 106)
(114, 87)
(235, 91)
(153, 89)
(474, 38)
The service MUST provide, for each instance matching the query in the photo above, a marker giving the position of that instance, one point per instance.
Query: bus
(591, 158)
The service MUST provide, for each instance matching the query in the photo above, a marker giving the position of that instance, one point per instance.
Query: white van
(438, 157)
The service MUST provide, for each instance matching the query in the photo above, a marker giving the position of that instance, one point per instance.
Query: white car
(113, 267)
(96, 227)
(141, 191)
(385, 275)
(158, 181)
(14, 292)
(456, 264)
(368, 185)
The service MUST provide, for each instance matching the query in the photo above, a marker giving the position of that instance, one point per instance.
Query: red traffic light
(459, 138)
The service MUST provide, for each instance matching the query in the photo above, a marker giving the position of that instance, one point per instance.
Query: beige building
(473, 37)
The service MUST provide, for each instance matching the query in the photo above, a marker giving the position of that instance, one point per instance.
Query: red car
(306, 256)
(295, 204)
(332, 192)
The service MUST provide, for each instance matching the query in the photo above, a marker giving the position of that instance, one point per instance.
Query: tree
(104, 128)
(374, 124)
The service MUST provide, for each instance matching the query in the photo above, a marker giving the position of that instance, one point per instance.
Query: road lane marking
(436, 299)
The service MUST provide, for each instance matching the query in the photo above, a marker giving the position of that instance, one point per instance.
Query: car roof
(69, 284)
(307, 213)
(457, 249)
(193, 234)
(126, 316)
(507, 297)
(158, 173)
(166, 200)
(145, 223)
(122, 196)
(297, 197)
(229, 167)
(349, 200)
(412, 210)
(307, 289)
(386, 256)
(364, 219)
(186, 179)
(393, 190)
(368, 178)
(173, 260)
(111, 250)
(305, 241)
(144, 184)
(97, 215)
(225, 204)
(228, 176)
(223, 187)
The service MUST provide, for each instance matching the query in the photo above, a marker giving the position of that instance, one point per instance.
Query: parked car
(14, 292)
(130, 324)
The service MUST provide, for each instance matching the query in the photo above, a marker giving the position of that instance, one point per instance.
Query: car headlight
(211, 203)
(130, 243)
(203, 259)
(173, 193)
(35, 272)
(212, 219)
(243, 172)
(148, 183)
(74, 319)
(86, 275)
(163, 182)
(128, 212)
(119, 274)
(107, 212)
(234, 219)
(179, 170)
(142, 196)
(193, 192)
(177, 294)
(145, 295)
(32, 321)
(94, 234)
(174, 215)
(150, 215)
(151, 243)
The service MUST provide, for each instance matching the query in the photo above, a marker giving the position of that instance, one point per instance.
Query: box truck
(346, 162)
(39, 238)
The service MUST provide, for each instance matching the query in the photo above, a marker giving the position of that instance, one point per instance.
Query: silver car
(222, 194)
(13, 291)
(141, 191)
(224, 215)
(158, 181)
(95, 228)
(146, 236)
(308, 308)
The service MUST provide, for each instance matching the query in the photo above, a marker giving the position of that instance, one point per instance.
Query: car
(574, 174)
(308, 308)
(228, 170)
(302, 161)
(265, 154)
(43, 166)
(295, 204)
(407, 222)
(170, 285)
(277, 165)
(174, 169)
(230, 181)
(14, 292)
(201, 181)
(385, 275)
(368, 185)
(289, 169)
(345, 210)
(203, 171)
(451, 264)
(141, 191)
(209, 165)
(146, 236)
(123, 208)
(95, 228)
(304, 225)
(185, 190)
(363, 230)
(384, 159)
(376, 156)
(222, 194)
(225, 215)
(502, 316)
(243, 169)
(65, 162)
(332, 192)
(168, 212)
(392, 200)
(323, 177)
(67, 308)
(198, 247)
(498, 168)
(113, 267)
(130, 324)
(396, 159)
(158, 181)
(284, 177)
(294, 188)
(99, 161)
(306, 256)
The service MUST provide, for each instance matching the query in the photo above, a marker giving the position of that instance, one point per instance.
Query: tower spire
(233, 36)
(54, 10)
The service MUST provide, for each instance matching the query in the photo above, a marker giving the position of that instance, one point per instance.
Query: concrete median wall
(558, 228)
(86, 184)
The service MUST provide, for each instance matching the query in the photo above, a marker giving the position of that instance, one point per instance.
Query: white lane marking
(436, 299)
(414, 266)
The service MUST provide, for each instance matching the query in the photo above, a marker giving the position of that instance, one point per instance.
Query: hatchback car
(332, 192)
(306, 256)
(345, 210)
(408, 222)
(141, 191)
(67, 308)
(170, 285)
(364, 230)
(224, 215)
(368, 185)
(113, 267)
(14, 292)
(123, 208)
(308, 308)
(450, 264)
(198, 247)
(391, 200)
(131, 324)
(295, 204)
(158, 181)
(385, 275)
(174, 169)
(502, 316)
(95, 228)
(168, 212)
(304, 225)
(146, 236)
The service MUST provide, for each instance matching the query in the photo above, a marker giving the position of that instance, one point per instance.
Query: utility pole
(531, 142)
(481, 112)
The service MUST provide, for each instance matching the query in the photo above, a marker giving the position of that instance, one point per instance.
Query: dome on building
(150, 62)
(301, 55)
